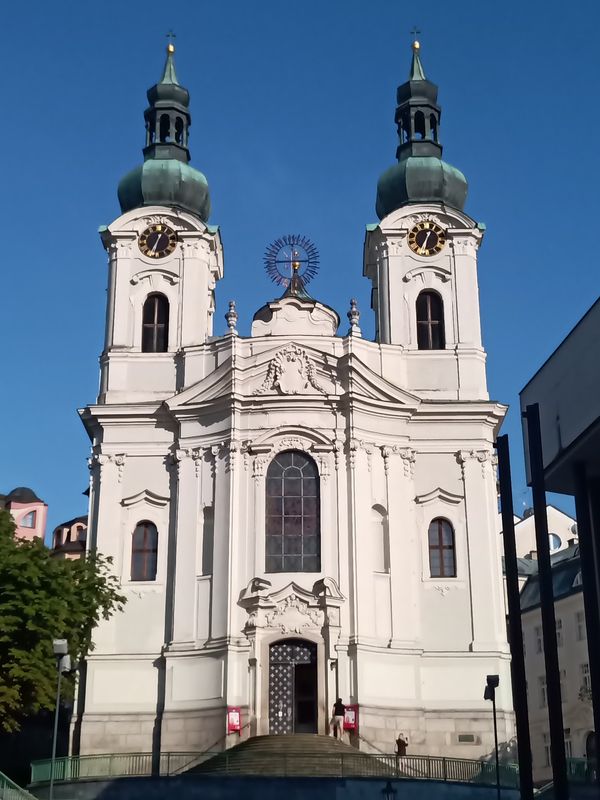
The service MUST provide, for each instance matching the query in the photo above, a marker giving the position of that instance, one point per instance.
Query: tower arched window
(144, 552)
(179, 130)
(293, 530)
(165, 128)
(430, 321)
(155, 324)
(419, 125)
(442, 551)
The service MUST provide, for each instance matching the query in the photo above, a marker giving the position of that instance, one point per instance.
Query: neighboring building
(573, 659)
(562, 531)
(28, 511)
(69, 538)
(296, 514)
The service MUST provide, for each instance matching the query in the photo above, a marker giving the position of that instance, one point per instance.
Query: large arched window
(293, 535)
(144, 552)
(430, 321)
(155, 324)
(442, 554)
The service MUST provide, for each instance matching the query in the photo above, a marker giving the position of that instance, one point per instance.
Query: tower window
(179, 130)
(293, 536)
(144, 552)
(430, 322)
(155, 324)
(28, 521)
(433, 127)
(442, 557)
(419, 125)
(165, 128)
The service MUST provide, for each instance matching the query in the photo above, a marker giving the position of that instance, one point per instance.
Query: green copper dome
(420, 179)
(420, 176)
(166, 178)
(165, 182)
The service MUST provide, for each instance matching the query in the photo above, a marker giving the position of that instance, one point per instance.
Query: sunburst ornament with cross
(291, 255)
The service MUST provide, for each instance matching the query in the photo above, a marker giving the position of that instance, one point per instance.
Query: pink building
(28, 511)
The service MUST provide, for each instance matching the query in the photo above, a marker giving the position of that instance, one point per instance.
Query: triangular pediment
(215, 385)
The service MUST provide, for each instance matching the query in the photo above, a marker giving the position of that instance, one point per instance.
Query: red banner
(351, 718)
(234, 716)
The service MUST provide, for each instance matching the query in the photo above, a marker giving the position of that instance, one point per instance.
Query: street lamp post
(63, 664)
(491, 684)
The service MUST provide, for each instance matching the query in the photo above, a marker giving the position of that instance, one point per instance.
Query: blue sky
(292, 123)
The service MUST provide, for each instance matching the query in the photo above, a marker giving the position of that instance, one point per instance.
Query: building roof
(22, 494)
(70, 522)
(566, 578)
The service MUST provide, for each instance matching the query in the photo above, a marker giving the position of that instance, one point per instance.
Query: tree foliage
(41, 599)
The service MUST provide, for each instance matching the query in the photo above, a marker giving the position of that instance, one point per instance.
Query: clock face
(426, 238)
(158, 241)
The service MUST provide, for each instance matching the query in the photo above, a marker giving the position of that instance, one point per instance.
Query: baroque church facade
(299, 514)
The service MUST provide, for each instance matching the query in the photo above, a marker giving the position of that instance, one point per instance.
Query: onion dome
(166, 178)
(420, 176)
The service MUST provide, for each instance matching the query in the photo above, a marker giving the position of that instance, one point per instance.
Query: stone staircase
(298, 755)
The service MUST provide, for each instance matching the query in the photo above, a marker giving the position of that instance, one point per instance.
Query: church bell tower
(422, 256)
(164, 258)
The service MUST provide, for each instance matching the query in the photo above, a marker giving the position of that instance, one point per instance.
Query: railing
(114, 765)
(582, 770)
(289, 764)
(10, 790)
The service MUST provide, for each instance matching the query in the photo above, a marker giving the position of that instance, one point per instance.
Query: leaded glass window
(293, 535)
(442, 558)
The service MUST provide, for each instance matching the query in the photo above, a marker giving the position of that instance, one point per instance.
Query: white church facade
(299, 514)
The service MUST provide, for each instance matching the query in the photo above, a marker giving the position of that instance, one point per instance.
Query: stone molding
(484, 457)
(439, 494)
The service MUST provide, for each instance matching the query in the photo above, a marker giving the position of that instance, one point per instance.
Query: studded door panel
(283, 657)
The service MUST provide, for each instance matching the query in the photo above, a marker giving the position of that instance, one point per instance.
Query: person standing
(339, 712)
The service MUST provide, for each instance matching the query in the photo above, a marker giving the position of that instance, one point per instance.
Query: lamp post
(60, 648)
(491, 684)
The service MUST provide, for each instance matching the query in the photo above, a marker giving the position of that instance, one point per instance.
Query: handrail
(11, 791)
(288, 764)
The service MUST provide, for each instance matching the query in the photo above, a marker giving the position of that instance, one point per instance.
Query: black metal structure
(588, 530)
(515, 628)
(555, 718)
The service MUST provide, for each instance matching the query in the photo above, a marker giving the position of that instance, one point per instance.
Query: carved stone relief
(291, 371)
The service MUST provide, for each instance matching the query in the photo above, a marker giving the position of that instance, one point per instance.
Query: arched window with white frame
(144, 551)
(430, 321)
(442, 549)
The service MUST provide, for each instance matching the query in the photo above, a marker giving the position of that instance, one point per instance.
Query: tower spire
(420, 174)
(166, 178)
(417, 73)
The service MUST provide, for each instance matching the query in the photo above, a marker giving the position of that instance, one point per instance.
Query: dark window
(165, 128)
(442, 558)
(430, 322)
(144, 552)
(293, 535)
(419, 125)
(155, 324)
(433, 127)
(179, 130)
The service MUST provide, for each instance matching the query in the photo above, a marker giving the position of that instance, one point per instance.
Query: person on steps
(339, 712)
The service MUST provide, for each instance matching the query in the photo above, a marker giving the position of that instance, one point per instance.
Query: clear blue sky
(292, 123)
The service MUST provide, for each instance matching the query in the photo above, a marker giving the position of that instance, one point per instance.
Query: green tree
(44, 598)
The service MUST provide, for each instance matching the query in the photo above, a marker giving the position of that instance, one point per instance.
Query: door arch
(293, 695)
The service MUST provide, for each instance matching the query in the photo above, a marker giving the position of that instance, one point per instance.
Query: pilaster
(485, 580)
(404, 547)
(187, 521)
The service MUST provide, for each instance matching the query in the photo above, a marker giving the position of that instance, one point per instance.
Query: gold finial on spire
(170, 46)
(415, 45)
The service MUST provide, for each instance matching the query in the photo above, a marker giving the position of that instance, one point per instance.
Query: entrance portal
(293, 687)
